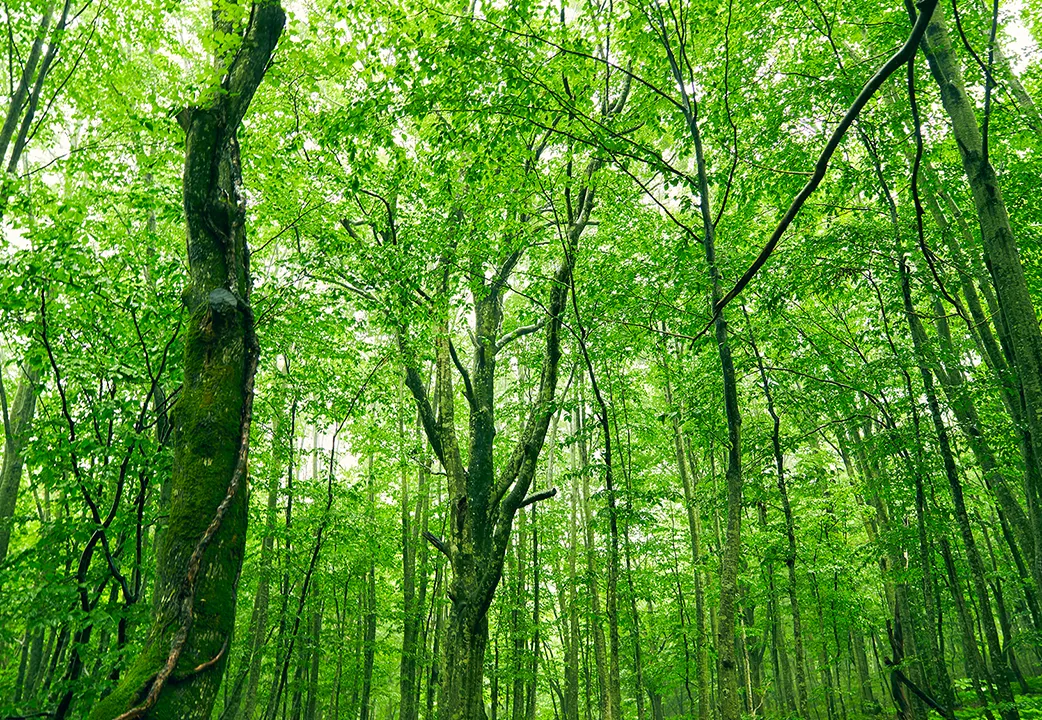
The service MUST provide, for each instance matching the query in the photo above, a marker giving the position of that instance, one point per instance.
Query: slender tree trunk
(730, 695)
(410, 603)
(1005, 623)
(17, 425)
(1018, 312)
(1001, 675)
(311, 709)
(974, 662)
(790, 534)
(571, 612)
(869, 705)
(638, 657)
(244, 695)
(593, 586)
(369, 637)
(533, 670)
(282, 643)
(693, 525)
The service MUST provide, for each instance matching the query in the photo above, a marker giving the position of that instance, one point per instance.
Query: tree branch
(902, 56)
(536, 497)
(438, 543)
(468, 389)
(519, 333)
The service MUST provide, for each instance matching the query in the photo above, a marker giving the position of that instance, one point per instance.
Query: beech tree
(596, 361)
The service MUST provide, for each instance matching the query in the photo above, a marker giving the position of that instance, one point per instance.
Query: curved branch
(902, 56)
(536, 497)
(519, 333)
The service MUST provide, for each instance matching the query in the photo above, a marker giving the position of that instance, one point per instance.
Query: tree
(202, 546)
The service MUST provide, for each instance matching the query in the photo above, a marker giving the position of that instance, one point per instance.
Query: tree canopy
(607, 360)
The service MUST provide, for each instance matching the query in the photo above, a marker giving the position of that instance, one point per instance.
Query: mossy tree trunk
(201, 551)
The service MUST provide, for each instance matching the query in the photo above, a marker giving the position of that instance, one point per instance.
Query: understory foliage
(513, 450)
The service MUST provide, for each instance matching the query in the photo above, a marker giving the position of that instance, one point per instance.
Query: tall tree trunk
(869, 705)
(518, 631)
(484, 500)
(282, 642)
(693, 526)
(1018, 312)
(532, 672)
(244, 694)
(638, 657)
(1005, 622)
(978, 671)
(730, 695)
(570, 711)
(369, 634)
(311, 708)
(790, 533)
(962, 406)
(593, 586)
(1001, 675)
(411, 605)
(203, 545)
(17, 423)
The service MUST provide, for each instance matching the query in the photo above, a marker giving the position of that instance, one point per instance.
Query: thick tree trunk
(208, 503)
(464, 660)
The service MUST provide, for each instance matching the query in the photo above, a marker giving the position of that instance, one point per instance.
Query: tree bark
(212, 419)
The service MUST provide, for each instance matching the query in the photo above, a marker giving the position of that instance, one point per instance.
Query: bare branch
(536, 497)
(519, 333)
(468, 389)
(902, 56)
(438, 543)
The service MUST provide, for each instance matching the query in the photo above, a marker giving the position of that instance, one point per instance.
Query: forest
(521, 360)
